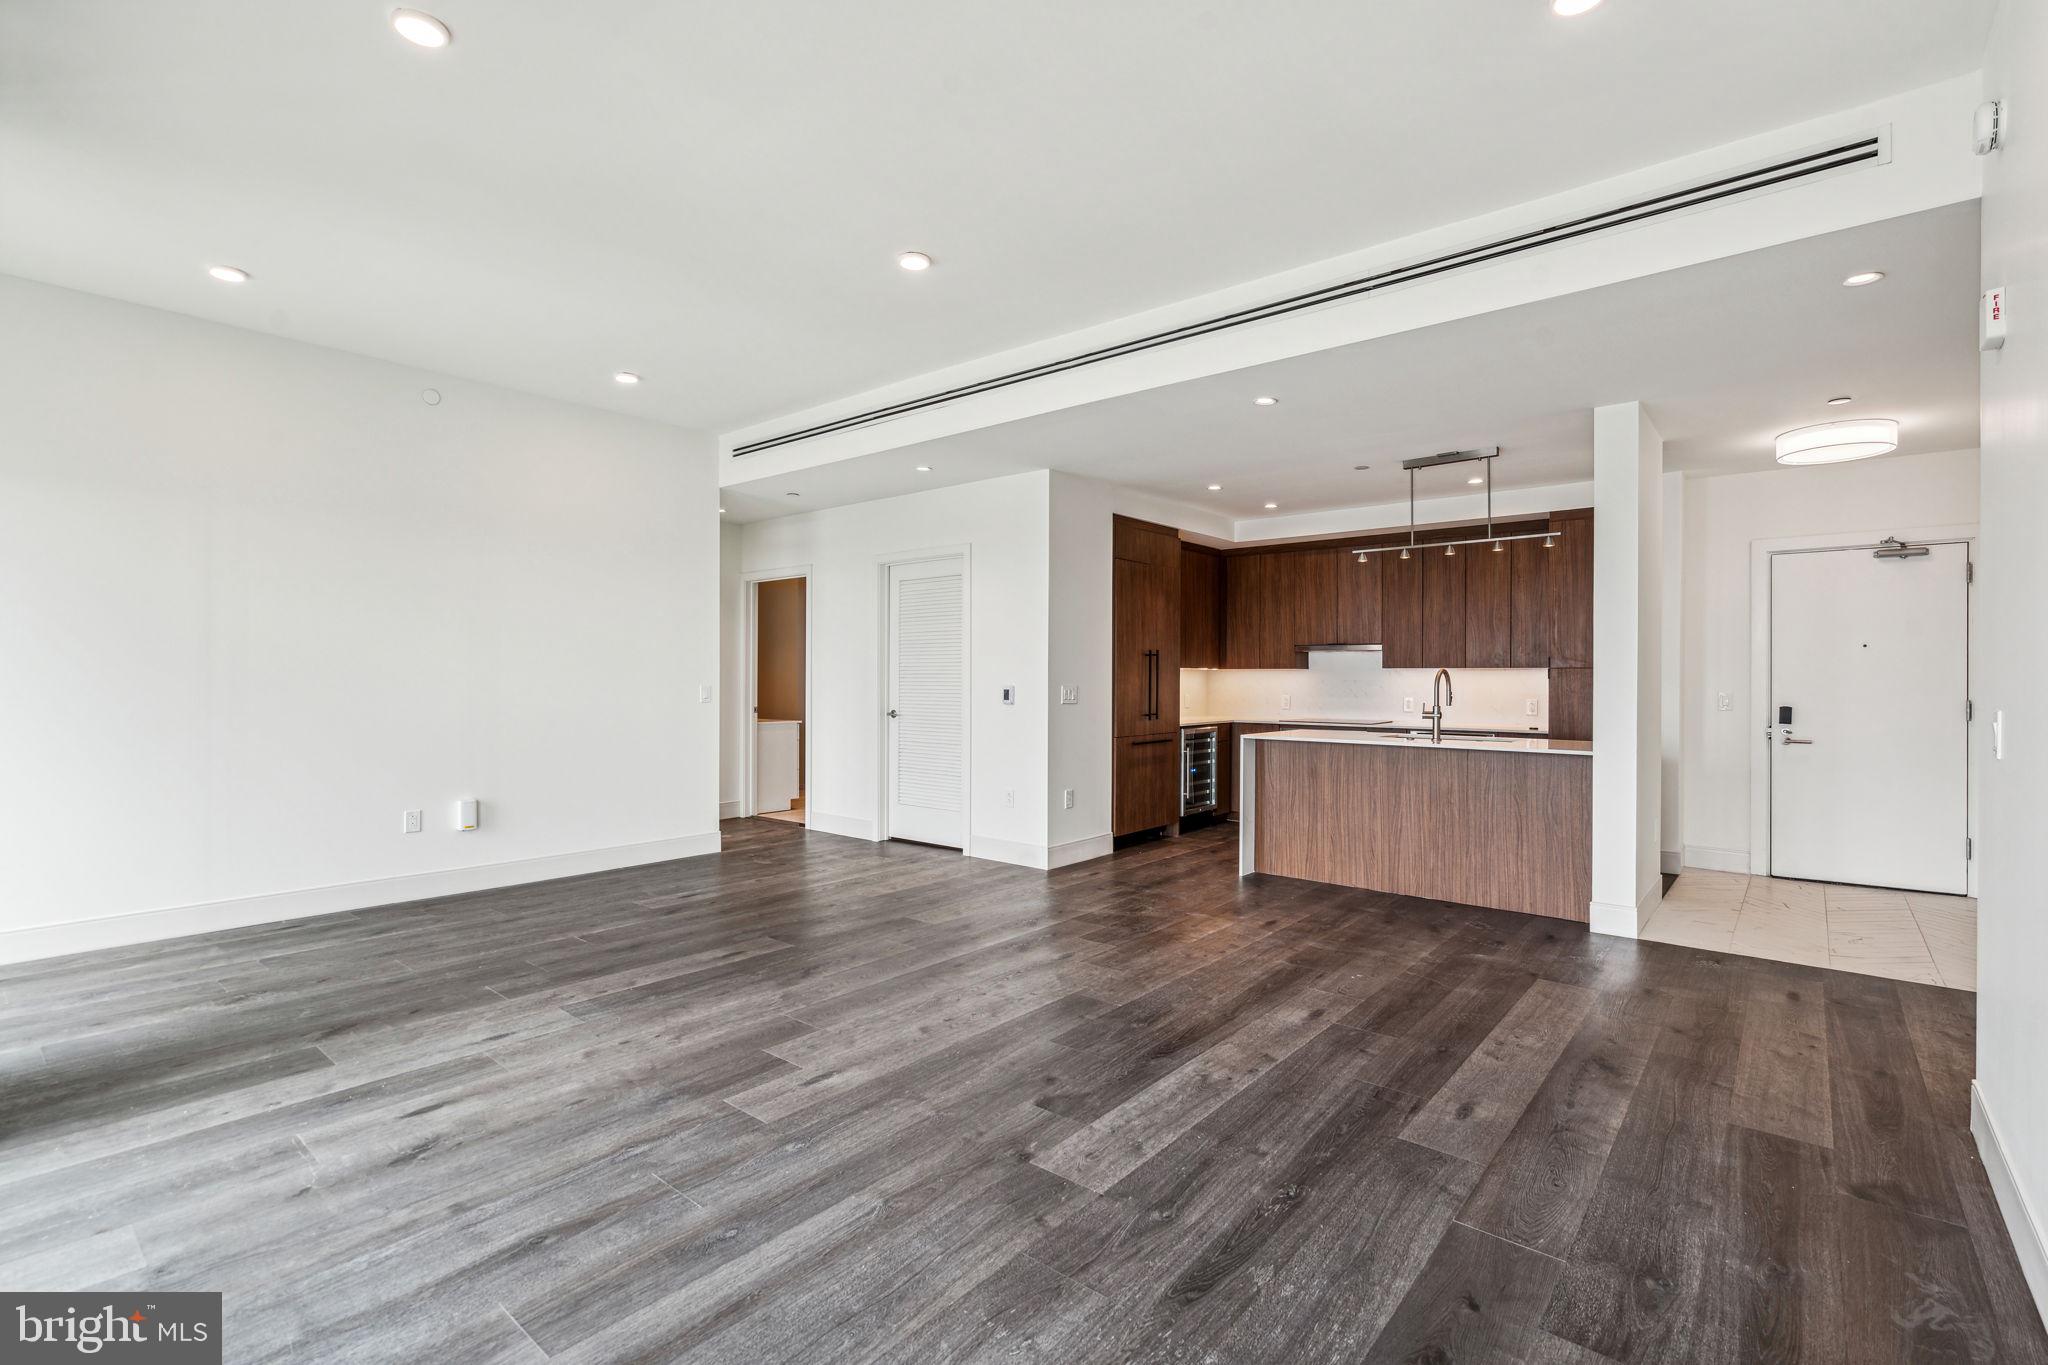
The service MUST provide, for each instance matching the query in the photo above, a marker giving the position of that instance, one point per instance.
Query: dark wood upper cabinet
(1260, 622)
(1201, 607)
(1443, 607)
(1401, 611)
(1571, 593)
(1488, 607)
(1531, 611)
(1308, 594)
(1145, 630)
(1358, 599)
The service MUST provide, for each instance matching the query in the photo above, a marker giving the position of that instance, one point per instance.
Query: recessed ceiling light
(924, 469)
(1361, 468)
(1833, 442)
(1570, 8)
(228, 274)
(421, 30)
(1477, 479)
(1263, 401)
(1863, 277)
(792, 495)
(1215, 488)
(1837, 402)
(914, 260)
(625, 377)
(1271, 505)
(721, 511)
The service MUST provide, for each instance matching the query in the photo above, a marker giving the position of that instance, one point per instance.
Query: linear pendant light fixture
(1833, 442)
(1498, 544)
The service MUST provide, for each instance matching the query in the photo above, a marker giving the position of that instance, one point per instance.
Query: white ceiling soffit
(1726, 354)
(1929, 165)
(714, 196)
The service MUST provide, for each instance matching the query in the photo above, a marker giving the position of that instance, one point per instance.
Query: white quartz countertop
(1471, 742)
(1301, 721)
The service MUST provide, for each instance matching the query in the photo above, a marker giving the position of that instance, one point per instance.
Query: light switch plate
(1529, 707)
(1724, 701)
(703, 692)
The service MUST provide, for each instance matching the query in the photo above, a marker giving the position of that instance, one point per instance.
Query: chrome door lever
(1788, 739)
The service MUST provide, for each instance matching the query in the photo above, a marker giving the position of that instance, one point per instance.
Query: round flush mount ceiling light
(914, 260)
(924, 469)
(1272, 506)
(1476, 481)
(421, 30)
(1572, 8)
(625, 377)
(1265, 402)
(228, 274)
(1834, 442)
(1215, 488)
(1863, 277)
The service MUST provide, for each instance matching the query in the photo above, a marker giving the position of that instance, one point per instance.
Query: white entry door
(1870, 779)
(927, 702)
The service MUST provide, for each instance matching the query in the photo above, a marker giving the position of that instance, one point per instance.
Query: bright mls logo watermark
(168, 1329)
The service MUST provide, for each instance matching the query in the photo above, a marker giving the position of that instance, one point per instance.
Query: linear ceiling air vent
(1806, 166)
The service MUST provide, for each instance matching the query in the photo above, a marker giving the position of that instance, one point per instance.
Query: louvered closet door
(927, 752)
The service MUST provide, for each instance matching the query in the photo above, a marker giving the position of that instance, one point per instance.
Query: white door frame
(750, 648)
(1761, 716)
(883, 563)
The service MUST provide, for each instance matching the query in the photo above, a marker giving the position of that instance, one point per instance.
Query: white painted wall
(260, 599)
(1351, 686)
(1628, 650)
(1080, 754)
(2012, 932)
(1724, 516)
(1001, 526)
(732, 675)
(1671, 676)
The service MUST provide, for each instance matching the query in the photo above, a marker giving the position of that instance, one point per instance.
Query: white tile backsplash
(1351, 685)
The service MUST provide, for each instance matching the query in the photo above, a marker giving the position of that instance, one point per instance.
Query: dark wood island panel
(1510, 831)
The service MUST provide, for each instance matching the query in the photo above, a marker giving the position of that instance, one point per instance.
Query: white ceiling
(714, 194)
(1726, 355)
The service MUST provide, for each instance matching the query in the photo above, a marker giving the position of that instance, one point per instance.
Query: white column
(1671, 825)
(1628, 645)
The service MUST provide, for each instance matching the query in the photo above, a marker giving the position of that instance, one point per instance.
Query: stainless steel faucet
(1440, 696)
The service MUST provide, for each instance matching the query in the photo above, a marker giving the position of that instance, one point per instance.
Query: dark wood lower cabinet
(1571, 703)
(1146, 783)
(1509, 831)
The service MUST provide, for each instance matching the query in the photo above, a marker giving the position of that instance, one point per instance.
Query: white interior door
(927, 702)
(1870, 780)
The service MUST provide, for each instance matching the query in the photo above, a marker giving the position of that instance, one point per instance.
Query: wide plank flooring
(816, 1099)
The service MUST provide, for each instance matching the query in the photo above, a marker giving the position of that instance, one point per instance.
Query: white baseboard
(1671, 860)
(846, 826)
(1080, 850)
(728, 810)
(1006, 851)
(1716, 859)
(177, 921)
(1624, 921)
(2020, 1222)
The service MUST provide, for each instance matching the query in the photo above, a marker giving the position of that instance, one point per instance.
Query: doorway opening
(779, 711)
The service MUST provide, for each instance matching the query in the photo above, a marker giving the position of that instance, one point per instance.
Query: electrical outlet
(1070, 798)
(1286, 701)
(1009, 798)
(415, 820)
(1724, 701)
(1529, 707)
(1407, 703)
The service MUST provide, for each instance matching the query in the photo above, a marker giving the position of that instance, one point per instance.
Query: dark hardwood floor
(822, 1100)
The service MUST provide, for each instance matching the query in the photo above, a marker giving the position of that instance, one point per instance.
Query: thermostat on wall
(465, 814)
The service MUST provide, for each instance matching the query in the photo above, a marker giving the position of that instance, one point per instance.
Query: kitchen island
(1503, 823)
